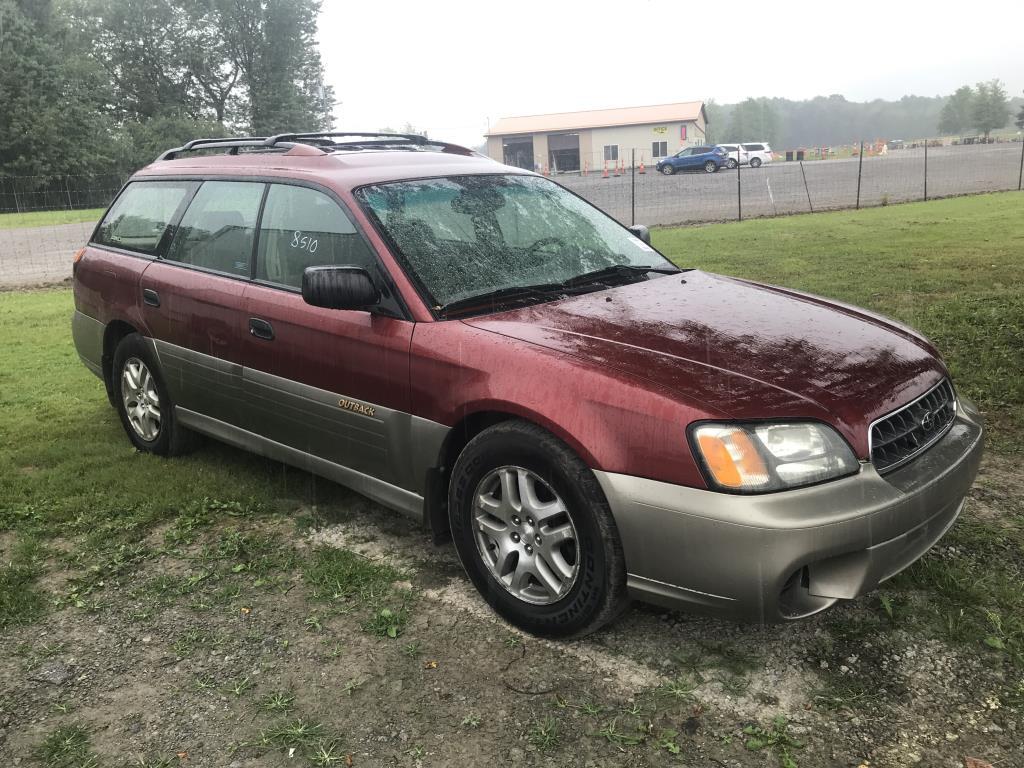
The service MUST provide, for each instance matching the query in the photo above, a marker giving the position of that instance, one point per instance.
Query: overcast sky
(449, 67)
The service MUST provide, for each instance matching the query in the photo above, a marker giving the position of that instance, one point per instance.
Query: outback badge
(352, 405)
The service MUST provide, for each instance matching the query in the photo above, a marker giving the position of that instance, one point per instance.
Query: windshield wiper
(503, 296)
(617, 270)
(572, 286)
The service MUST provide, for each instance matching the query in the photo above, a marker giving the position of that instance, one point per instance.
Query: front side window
(140, 216)
(302, 228)
(468, 236)
(685, 152)
(218, 229)
(659, 148)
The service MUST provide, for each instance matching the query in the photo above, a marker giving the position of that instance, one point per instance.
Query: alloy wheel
(525, 535)
(141, 399)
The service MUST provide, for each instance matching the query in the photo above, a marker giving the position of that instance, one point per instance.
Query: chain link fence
(44, 221)
(635, 193)
(26, 194)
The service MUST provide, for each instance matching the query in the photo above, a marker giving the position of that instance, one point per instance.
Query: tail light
(78, 257)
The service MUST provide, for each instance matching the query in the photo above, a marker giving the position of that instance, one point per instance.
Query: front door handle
(150, 297)
(261, 329)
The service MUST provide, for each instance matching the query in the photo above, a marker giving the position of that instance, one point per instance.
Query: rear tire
(710, 166)
(731, 164)
(143, 402)
(534, 532)
(755, 162)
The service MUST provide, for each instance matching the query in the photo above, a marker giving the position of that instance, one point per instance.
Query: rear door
(330, 383)
(700, 154)
(192, 299)
(132, 234)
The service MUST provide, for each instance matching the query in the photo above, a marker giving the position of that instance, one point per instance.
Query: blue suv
(708, 159)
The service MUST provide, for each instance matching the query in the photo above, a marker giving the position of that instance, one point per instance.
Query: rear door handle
(261, 329)
(150, 297)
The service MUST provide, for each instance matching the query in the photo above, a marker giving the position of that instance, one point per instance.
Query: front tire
(668, 170)
(534, 532)
(143, 402)
(710, 166)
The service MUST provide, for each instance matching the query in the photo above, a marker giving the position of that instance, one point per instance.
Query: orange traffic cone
(641, 168)
(545, 171)
(585, 167)
(605, 174)
(616, 167)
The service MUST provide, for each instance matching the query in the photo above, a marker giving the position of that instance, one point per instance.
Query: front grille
(910, 431)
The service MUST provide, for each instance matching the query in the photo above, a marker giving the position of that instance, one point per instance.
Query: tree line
(832, 120)
(984, 108)
(102, 86)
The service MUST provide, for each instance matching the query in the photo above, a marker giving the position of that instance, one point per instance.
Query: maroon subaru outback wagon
(475, 346)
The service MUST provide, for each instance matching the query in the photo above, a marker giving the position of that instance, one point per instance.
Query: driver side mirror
(642, 232)
(339, 288)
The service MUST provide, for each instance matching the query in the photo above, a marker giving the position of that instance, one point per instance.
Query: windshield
(466, 236)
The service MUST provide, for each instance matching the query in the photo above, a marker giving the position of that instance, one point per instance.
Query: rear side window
(754, 147)
(140, 216)
(302, 228)
(218, 229)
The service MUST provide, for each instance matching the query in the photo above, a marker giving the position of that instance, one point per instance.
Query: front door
(333, 384)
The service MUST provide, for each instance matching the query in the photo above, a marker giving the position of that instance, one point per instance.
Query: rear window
(140, 216)
(754, 147)
(219, 228)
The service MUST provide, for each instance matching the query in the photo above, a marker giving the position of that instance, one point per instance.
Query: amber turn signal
(731, 457)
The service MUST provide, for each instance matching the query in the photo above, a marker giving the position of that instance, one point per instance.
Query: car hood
(738, 349)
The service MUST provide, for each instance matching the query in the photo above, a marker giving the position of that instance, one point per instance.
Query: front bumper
(781, 556)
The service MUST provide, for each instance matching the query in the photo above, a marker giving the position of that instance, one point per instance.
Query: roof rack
(323, 140)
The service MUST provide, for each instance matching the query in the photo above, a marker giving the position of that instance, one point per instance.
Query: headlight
(757, 458)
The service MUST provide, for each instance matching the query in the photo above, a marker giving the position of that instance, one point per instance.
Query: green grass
(67, 471)
(339, 577)
(951, 268)
(49, 218)
(67, 747)
(20, 601)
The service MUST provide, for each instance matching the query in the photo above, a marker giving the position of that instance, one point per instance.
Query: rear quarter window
(141, 214)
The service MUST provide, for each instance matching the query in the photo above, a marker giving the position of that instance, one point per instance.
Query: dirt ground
(230, 647)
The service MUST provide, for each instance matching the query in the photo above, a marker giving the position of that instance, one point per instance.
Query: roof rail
(197, 144)
(323, 140)
(389, 138)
